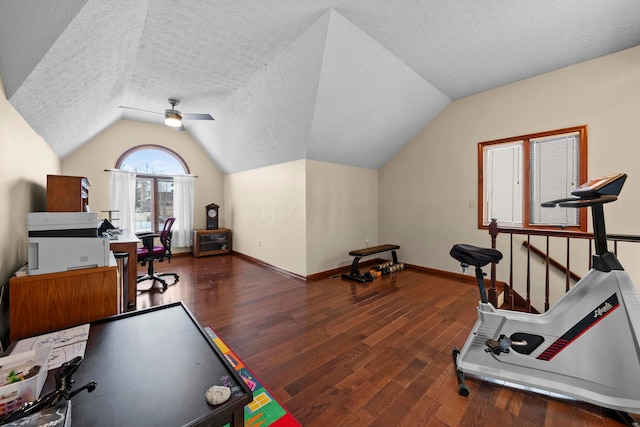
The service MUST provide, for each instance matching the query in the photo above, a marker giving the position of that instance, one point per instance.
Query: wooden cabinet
(67, 193)
(47, 302)
(211, 242)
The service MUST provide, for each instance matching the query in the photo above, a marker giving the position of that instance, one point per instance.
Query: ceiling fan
(173, 117)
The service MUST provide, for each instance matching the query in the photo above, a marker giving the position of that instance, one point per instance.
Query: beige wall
(102, 152)
(265, 208)
(342, 213)
(428, 191)
(302, 216)
(25, 161)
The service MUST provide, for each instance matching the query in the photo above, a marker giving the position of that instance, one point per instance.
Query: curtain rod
(151, 174)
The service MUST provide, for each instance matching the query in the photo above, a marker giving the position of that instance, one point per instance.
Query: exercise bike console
(586, 346)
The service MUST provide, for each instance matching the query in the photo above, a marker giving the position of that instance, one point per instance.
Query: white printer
(61, 241)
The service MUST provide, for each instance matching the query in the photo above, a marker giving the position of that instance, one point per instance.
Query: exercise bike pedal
(498, 346)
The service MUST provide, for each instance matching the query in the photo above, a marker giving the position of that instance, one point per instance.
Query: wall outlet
(366, 242)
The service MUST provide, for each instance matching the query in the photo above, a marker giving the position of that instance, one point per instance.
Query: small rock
(218, 394)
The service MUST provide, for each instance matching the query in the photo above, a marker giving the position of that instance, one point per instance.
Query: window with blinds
(554, 175)
(518, 174)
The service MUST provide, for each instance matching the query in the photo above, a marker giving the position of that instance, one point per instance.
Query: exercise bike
(585, 347)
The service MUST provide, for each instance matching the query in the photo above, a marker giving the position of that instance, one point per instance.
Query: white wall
(342, 213)
(102, 152)
(266, 212)
(303, 216)
(25, 161)
(428, 191)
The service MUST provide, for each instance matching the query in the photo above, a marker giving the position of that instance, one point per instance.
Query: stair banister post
(493, 292)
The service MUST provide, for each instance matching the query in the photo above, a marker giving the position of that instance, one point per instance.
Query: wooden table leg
(238, 418)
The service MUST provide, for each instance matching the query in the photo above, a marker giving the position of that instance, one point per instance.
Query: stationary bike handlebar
(575, 202)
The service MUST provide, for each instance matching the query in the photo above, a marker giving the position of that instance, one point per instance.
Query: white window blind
(503, 183)
(553, 175)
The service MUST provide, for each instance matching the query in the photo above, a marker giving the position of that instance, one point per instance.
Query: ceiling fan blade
(138, 109)
(186, 116)
(180, 129)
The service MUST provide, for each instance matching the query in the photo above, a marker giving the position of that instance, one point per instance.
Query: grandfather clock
(212, 216)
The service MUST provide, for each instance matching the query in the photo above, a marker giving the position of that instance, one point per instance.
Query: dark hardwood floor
(337, 353)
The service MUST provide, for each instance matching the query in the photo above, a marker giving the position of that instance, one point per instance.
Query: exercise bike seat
(474, 255)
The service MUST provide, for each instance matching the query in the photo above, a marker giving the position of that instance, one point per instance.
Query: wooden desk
(127, 241)
(153, 368)
(47, 302)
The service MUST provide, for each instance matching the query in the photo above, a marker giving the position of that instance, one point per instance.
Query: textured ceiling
(347, 81)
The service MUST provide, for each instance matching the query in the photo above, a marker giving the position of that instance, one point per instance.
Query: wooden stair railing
(557, 265)
(570, 276)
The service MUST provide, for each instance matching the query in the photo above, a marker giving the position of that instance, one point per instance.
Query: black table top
(153, 368)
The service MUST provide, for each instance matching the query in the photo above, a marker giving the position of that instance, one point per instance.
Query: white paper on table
(67, 344)
(59, 355)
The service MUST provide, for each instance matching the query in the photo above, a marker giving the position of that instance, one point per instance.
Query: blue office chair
(150, 253)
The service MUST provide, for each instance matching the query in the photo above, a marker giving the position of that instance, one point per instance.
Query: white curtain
(122, 197)
(182, 210)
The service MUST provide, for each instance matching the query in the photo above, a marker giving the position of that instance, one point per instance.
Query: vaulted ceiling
(342, 81)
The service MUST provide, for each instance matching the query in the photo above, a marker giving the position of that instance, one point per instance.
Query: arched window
(152, 160)
(154, 166)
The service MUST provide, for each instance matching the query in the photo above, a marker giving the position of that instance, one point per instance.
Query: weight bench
(354, 274)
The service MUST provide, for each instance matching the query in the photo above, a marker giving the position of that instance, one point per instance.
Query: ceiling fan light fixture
(173, 119)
